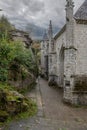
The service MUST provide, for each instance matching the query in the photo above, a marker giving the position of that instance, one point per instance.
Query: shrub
(52, 83)
(13, 55)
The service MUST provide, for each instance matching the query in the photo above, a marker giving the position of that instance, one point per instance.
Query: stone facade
(44, 56)
(67, 54)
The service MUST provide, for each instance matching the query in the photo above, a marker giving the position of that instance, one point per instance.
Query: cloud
(37, 12)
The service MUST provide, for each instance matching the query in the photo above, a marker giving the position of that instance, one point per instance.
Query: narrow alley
(52, 114)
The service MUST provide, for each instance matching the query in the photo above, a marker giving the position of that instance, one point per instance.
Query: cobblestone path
(52, 114)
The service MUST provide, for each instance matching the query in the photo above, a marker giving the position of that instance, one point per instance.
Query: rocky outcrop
(21, 79)
(11, 103)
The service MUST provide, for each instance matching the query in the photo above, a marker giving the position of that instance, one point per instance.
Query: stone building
(64, 56)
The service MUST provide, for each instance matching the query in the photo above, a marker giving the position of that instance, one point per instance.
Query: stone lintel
(71, 47)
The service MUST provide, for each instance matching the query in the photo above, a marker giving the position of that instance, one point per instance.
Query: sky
(37, 12)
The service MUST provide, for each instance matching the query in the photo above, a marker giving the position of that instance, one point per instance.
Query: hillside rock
(11, 103)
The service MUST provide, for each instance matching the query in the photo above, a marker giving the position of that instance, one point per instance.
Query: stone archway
(61, 67)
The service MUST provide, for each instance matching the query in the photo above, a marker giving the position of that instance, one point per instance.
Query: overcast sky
(38, 12)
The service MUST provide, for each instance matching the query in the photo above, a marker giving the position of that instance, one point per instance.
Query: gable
(80, 17)
(60, 32)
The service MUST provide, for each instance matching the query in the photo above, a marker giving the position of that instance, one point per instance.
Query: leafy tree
(4, 59)
(13, 54)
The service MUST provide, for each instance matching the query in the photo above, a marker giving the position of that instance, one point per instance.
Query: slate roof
(60, 32)
(81, 13)
(80, 16)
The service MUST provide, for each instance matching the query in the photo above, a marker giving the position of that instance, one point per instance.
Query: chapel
(64, 56)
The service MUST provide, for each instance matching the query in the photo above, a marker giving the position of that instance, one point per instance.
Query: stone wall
(79, 99)
(80, 90)
(60, 43)
(44, 55)
(81, 45)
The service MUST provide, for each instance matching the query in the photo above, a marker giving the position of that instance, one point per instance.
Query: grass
(26, 89)
(23, 90)
(6, 86)
(31, 111)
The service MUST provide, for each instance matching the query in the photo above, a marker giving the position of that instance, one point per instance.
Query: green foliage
(4, 59)
(3, 115)
(32, 110)
(6, 86)
(23, 115)
(5, 26)
(24, 75)
(15, 105)
(23, 57)
(17, 59)
(13, 55)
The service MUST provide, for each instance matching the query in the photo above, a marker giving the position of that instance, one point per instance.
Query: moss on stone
(12, 103)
